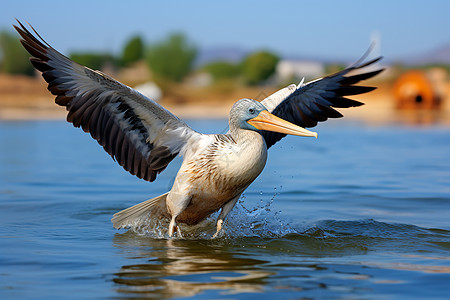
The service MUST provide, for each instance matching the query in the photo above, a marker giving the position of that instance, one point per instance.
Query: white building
(297, 69)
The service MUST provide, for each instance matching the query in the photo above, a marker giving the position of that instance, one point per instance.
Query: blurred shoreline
(27, 98)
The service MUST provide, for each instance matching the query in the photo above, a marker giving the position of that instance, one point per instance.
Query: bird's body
(144, 137)
(217, 172)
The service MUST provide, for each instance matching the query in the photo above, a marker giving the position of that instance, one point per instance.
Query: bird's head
(250, 114)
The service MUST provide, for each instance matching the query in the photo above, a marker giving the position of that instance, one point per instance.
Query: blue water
(360, 213)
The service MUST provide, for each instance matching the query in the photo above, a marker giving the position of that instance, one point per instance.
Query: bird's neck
(245, 137)
(248, 156)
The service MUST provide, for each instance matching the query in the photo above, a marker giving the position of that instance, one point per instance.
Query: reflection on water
(310, 262)
(180, 268)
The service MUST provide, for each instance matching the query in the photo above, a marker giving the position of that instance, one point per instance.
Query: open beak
(266, 121)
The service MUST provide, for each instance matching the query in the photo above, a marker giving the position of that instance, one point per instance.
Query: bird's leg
(223, 214)
(172, 226)
(176, 203)
(179, 232)
(219, 227)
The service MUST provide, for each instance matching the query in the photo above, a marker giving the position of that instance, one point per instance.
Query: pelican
(144, 137)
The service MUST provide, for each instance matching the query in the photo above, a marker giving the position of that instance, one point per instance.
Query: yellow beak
(266, 121)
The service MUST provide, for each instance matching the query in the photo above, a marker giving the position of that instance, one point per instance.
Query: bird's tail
(132, 215)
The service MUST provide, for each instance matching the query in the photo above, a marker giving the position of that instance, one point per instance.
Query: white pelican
(144, 137)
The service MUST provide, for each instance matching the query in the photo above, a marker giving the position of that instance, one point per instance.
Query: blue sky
(325, 29)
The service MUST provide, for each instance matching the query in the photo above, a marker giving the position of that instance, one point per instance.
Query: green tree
(259, 66)
(93, 60)
(171, 59)
(14, 58)
(133, 51)
(222, 70)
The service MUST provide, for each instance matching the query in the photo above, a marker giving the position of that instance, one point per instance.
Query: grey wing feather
(141, 135)
(312, 103)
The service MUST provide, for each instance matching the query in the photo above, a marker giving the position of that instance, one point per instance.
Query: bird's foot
(175, 229)
(178, 231)
(219, 228)
(215, 235)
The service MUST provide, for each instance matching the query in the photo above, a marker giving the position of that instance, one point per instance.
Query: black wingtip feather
(359, 77)
(40, 65)
(30, 38)
(330, 113)
(371, 62)
(342, 102)
(63, 100)
(34, 50)
(349, 90)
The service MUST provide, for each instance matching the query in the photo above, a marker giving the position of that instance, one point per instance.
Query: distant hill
(440, 55)
(235, 54)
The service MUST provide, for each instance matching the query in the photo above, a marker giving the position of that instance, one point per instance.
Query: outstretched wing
(141, 135)
(306, 105)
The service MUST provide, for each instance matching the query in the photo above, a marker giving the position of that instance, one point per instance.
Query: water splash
(260, 221)
(247, 220)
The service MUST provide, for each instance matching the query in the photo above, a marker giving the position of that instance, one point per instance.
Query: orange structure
(416, 90)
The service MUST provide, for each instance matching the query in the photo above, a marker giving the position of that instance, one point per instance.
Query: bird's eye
(251, 110)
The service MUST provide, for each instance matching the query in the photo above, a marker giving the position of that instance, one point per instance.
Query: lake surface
(360, 213)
